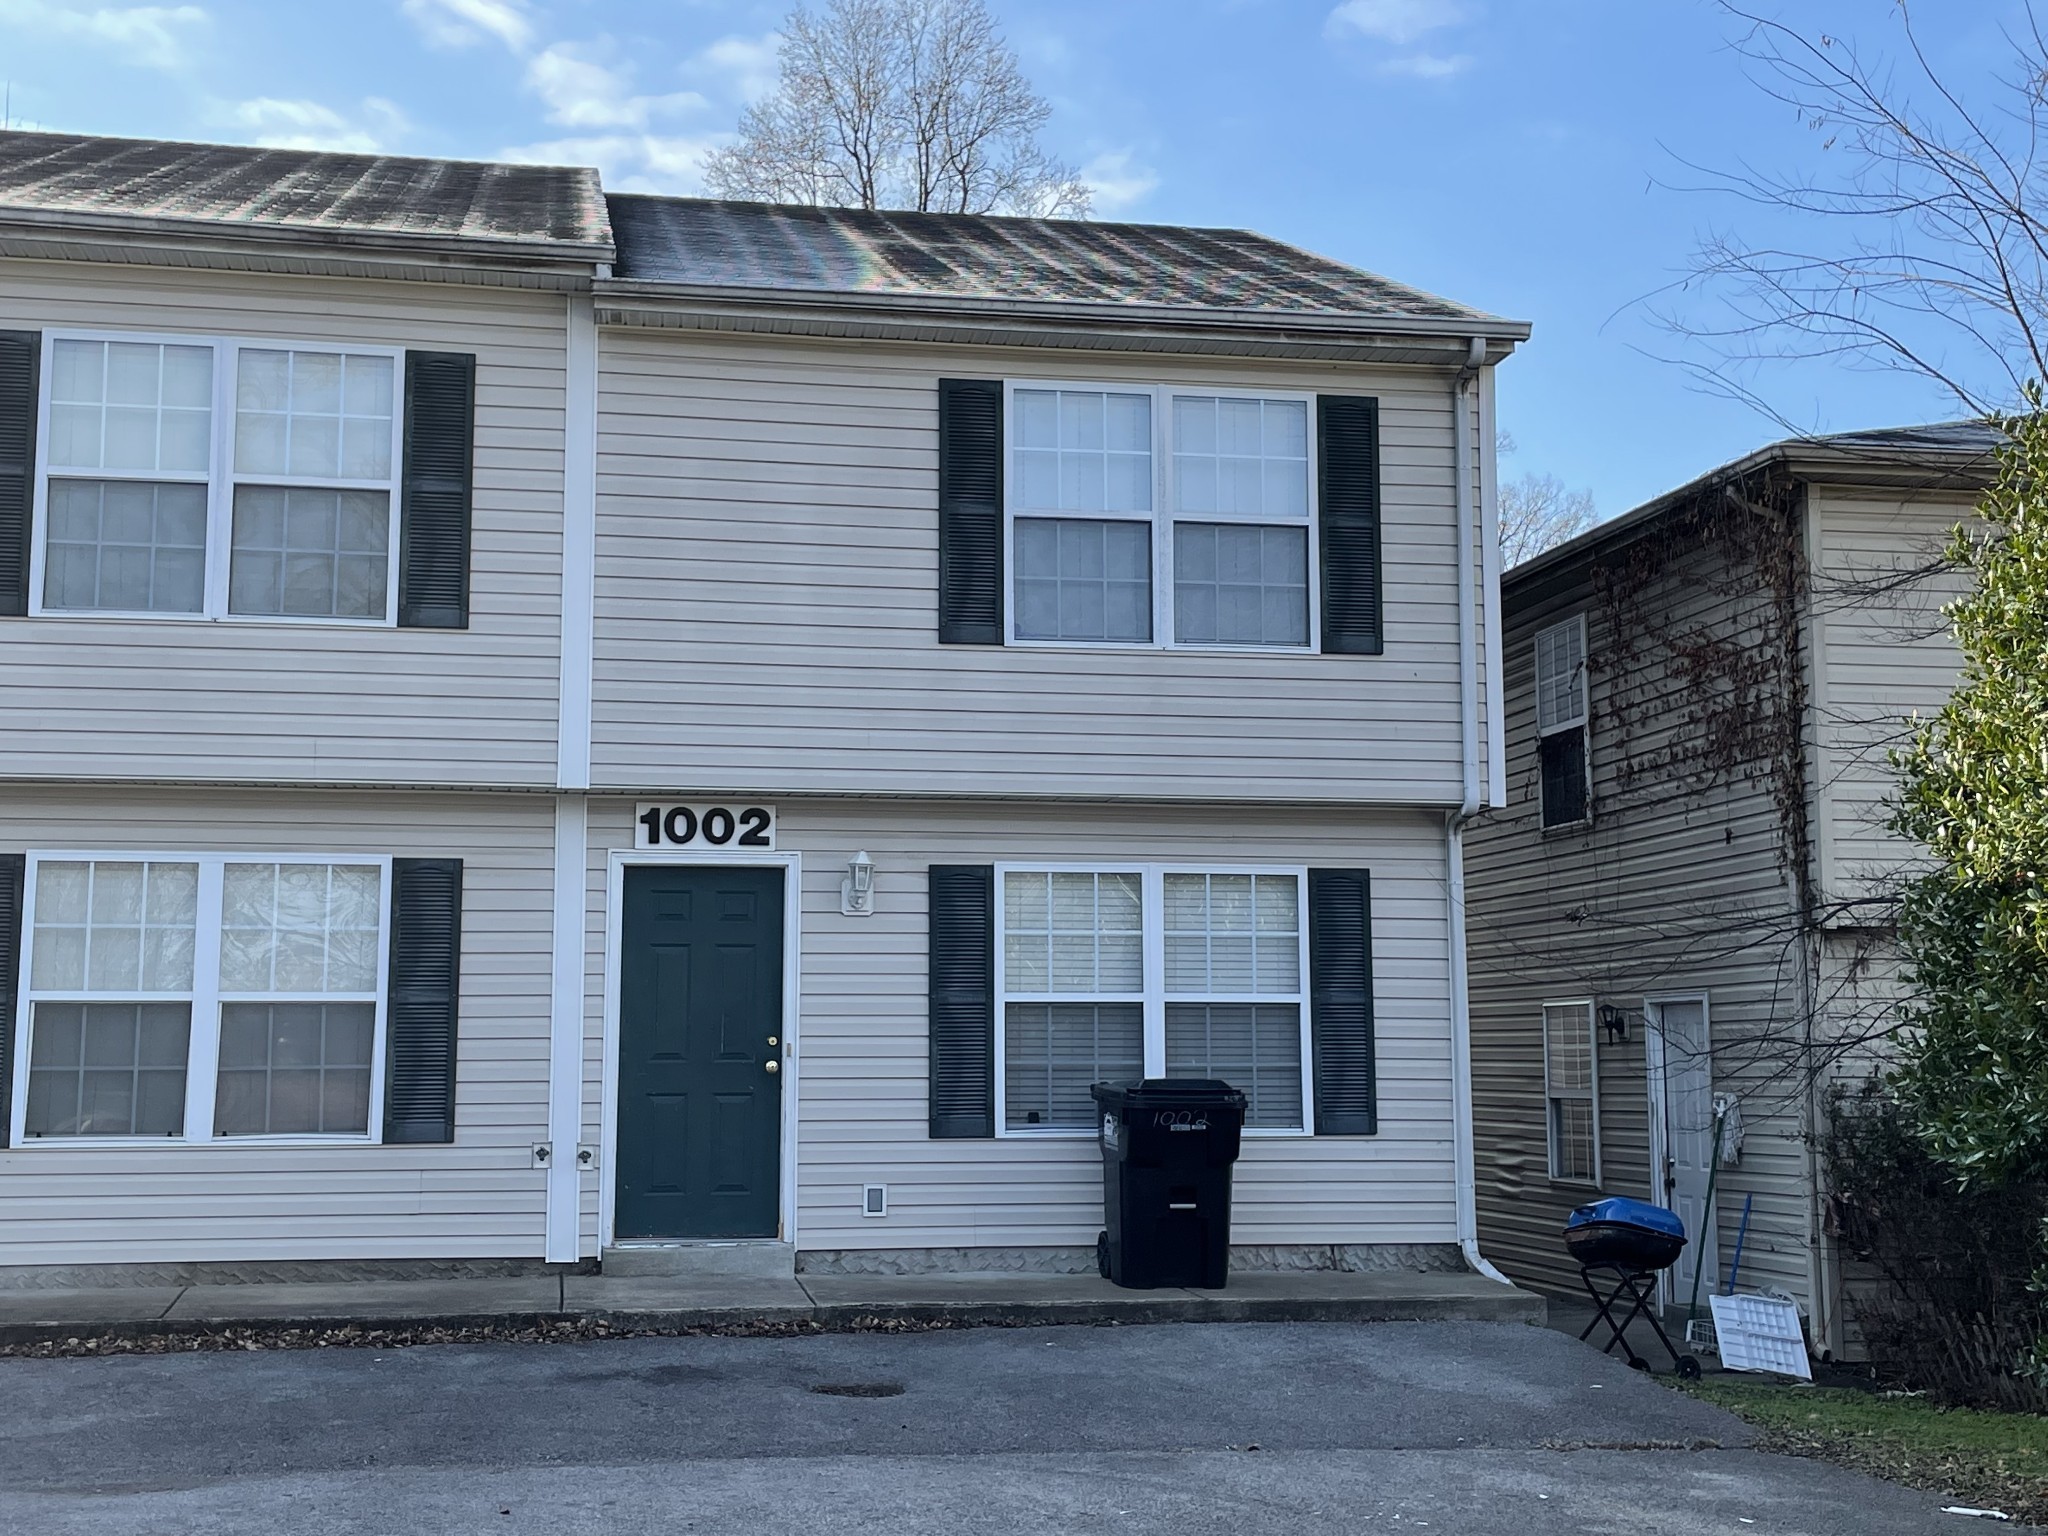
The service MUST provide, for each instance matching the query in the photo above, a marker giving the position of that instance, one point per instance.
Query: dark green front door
(700, 1053)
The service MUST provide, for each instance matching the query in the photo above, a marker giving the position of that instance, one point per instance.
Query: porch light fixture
(1615, 1022)
(857, 890)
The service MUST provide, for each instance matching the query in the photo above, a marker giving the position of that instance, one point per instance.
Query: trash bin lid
(1168, 1093)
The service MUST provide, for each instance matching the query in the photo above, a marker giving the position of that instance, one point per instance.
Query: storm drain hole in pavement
(859, 1388)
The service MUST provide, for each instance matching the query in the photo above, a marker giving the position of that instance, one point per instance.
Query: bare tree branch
(914, 104)
(1537, 512)
(1929, 248)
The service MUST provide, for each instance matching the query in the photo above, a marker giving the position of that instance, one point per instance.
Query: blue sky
(1518, 155)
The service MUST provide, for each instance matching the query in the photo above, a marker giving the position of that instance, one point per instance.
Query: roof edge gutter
(628, 296)
(222, 234)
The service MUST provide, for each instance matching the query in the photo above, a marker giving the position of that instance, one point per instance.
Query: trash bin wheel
(1638, 1363)
(1102, 1254)
(1688, 1368)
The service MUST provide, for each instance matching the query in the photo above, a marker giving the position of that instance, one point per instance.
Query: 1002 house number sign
(704, 826)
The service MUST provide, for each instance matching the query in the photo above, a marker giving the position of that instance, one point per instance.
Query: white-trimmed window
(202, 998)
(1160, 517)
(1150, 971)
(1561, 716)
(217, 478)
(1571, 1087)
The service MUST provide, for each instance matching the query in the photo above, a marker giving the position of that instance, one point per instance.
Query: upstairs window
(220, 479)
(1561, 717)
(1160, 517)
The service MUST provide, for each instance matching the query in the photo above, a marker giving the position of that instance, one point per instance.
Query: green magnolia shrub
(1972, 1078)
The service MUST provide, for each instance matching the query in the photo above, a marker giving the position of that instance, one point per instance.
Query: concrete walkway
(660, 1303)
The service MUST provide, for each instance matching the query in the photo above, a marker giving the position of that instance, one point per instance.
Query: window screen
(1571, 1089)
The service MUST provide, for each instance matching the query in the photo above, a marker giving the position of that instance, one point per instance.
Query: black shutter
(426, 983)
(13, 868)
(1340, 1001)
(21, 358)
(962, 962)
(440, 438)
(1348, 466)
(970, 512)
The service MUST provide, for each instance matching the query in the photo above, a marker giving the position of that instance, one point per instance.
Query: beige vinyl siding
(1676, 888)
(249, 701)
(1886, 657)
(862, 1038)
(767, 590)
(478, 1197)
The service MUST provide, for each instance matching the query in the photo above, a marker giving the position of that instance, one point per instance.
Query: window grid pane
(1255, 1047)
(294, 1069)
(1571, 1124)
(1054, 1052)
(1569, 1090)
(113, 926)
(1560, 676)
(300, 928)
(310, 553)
(1242, 585)
(1081, 451)
(313, 415)
(1233, 934)
(131, 405)
(133, 546)
(1068, 931)
(1240, 457)
(1080, 580)
(107, 1069)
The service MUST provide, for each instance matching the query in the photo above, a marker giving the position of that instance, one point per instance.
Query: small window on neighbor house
(1561, 715)
(1571, 1080)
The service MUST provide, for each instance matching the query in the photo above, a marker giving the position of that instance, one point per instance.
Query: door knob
(771, 1066)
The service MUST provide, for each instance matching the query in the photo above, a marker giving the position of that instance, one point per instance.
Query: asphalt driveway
(1254, 1428)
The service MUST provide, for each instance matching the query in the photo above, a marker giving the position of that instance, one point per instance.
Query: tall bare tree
(1537, 512)
(1925, 219)
(899, 104)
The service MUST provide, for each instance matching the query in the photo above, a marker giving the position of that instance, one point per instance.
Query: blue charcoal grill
(1627, 1243)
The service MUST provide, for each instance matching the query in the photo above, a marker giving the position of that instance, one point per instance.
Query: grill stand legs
(1640, 1285)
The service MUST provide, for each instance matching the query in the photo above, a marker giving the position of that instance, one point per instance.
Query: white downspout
(1454, 824)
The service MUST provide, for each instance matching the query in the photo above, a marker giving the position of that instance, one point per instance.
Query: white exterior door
(1681, 1072)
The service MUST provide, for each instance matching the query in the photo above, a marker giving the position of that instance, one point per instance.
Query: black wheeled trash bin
(1167, 1147)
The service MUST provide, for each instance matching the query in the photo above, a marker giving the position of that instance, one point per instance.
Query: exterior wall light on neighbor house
(1615, 1022)
(857, 890)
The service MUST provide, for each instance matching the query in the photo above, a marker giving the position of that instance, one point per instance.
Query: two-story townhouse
(1679, 917)
(283, 470)
(984, 656)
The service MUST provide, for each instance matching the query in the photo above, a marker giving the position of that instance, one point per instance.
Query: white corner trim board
(565, 1034)
(579, 546)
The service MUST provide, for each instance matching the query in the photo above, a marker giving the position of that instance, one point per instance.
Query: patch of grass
(1983, 1459)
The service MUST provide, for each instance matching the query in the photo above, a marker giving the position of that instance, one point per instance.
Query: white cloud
(629, 162)
(461, 23)
(1117, 181)
(580, 92)
(280, 124)
(746, 67)
(1393, 21)
(1429, 66)
(152, 35)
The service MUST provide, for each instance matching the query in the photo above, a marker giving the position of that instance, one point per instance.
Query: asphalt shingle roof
(700, 242)
(294, 190)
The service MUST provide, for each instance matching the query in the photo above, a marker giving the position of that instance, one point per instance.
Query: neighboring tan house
(1683, 902)
(537, 724)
